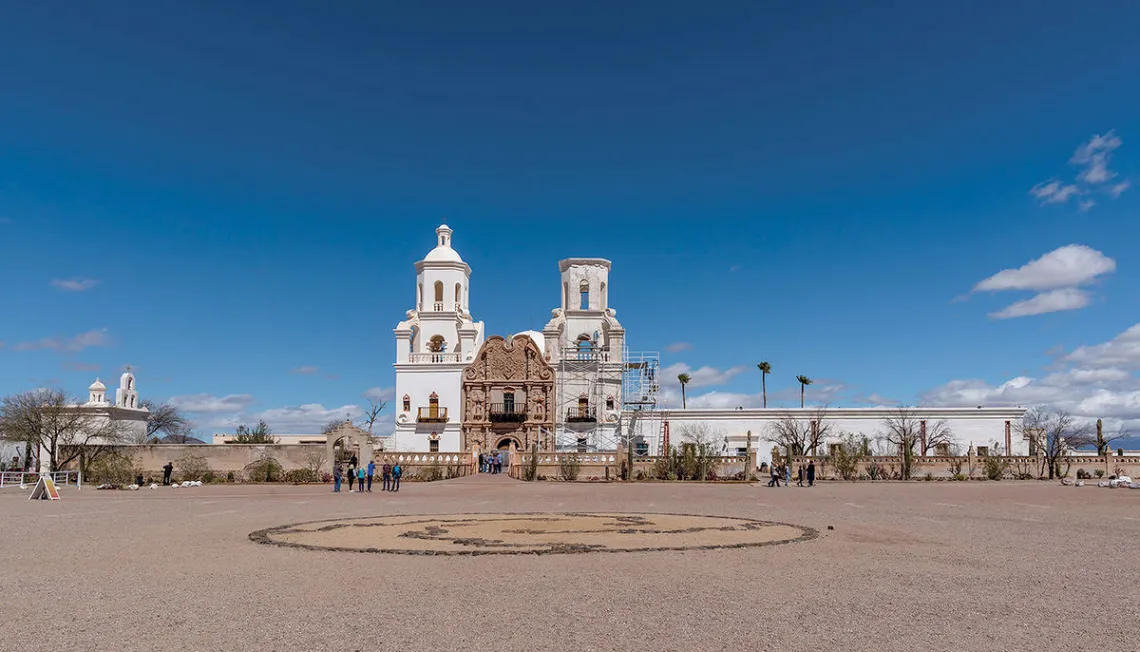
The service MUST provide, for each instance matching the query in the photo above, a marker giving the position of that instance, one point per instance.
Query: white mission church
(604, 394)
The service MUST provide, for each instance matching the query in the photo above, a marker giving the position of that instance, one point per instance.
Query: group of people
(360, 475)
(491, 463)
(784, 471)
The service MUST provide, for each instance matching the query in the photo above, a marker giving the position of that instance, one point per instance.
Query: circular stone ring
(532, 533)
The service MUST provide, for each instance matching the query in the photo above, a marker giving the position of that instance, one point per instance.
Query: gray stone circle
(427, 530)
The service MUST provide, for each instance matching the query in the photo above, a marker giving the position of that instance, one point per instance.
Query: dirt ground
(920, 566)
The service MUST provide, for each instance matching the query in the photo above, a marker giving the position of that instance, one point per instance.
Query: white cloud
(703, 377)
(380, 393)
(677, 347)
(210, 404)
(1093, 159)
(75, 284)
(305, 370)
(73, 344)
(1045, 302)
(303, 419)
(1097, 381)
(1094, 155)
(1067, 266)
(1053, 192)
(1121, 351)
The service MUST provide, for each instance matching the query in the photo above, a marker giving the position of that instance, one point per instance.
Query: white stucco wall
(969, 426)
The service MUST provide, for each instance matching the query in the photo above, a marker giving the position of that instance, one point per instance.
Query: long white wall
(969, 426)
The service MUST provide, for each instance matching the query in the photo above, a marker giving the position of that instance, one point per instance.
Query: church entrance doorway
(507, 444)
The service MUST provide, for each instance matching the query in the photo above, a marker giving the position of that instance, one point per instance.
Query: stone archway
(348, 433)
(508, 444)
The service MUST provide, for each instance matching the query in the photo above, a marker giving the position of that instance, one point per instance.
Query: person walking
(386, 475)
(371, 472)
(811, 473)
(787, 475)
(166, 471)
(800, 475)
(774, 476)
(336, 477)
(396, 473)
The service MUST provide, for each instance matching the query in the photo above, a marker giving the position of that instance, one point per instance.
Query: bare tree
(166, 419)
(331, 426)
(700, 444)
(800, 435)
(50, 420)
(372, 414)
(1052, 433)
(315, 459)
(904, 432)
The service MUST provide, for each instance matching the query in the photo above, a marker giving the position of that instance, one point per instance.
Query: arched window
(609, 402)
(602, 295)
(437, 344)
(584, 295)
(585, 347)
(420, 296)
(438, 291)
(458, 295)
(407, 403)
(565, 295)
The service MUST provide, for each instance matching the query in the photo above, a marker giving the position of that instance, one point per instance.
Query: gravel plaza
(931, 566)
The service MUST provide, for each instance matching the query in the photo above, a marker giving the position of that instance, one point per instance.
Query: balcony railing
(581, 415)
(434, 414)
(507, 413)
(433, 357)
(437, 306)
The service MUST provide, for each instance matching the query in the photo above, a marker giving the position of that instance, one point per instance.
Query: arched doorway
(507, 444)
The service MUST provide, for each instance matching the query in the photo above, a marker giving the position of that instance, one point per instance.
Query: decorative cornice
(565, 264)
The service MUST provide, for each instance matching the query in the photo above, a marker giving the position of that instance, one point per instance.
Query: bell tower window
(407, 403)
(584, 295)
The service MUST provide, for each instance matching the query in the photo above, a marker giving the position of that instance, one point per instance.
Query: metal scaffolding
(589, 390)
(643, 422)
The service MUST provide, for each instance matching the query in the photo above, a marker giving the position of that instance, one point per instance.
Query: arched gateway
(351, 441)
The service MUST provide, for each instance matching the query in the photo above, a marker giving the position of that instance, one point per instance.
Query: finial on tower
(444, 235)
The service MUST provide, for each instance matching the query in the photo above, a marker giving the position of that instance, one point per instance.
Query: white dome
(538, 339)
(443, 254)
(97, 386)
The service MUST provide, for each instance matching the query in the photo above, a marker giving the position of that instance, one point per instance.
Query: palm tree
(804, 382)
(765, 369)
(684, 378)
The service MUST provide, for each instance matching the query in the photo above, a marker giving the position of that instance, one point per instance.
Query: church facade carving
(507, 396)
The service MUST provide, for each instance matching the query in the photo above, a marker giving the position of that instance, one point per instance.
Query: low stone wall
(973, 466)
(223, 459)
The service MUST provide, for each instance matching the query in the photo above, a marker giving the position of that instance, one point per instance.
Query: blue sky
(231, 198)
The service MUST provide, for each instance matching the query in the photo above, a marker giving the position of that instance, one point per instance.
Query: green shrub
(568, 467)
(1083, 474)
(113, 468)
(929, 477)
(874, 472)
(430, 473)
(994, 467)
(191, 467)
(301, 476)
(265, 469)
(1099, 473)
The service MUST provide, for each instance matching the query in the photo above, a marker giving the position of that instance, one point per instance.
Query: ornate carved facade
(508, 396)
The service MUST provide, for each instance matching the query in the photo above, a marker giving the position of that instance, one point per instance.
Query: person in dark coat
(811, 474)
(166, 471)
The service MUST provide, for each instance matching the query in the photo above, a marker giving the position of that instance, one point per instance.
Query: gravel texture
(921, 566)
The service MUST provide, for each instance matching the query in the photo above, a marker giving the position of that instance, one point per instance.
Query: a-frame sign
(44, 490)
